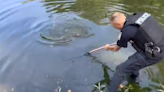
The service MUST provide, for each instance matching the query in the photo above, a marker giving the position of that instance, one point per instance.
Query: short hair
(115, 15)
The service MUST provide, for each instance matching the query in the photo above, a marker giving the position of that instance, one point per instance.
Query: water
(27, 65)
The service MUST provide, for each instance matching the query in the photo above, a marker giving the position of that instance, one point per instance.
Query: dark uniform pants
(132, 66)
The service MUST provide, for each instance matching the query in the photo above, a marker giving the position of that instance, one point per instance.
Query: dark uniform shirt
(127, 34)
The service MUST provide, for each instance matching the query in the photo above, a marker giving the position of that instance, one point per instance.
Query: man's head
(117, 20)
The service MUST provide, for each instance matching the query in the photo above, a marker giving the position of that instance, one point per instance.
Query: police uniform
(139, 59)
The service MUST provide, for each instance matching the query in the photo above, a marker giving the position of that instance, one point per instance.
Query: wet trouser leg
(131, 66)
(135, 74)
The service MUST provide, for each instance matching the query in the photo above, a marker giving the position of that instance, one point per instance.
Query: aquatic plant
(162, 88)
(124, 89)
(99, 88)
(128, 88)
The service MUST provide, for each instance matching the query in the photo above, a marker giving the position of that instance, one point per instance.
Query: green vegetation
(162, 88)
(99, 88)
(125, 89)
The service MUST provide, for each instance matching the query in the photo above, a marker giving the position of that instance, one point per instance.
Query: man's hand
(107, 47)
(114, 48)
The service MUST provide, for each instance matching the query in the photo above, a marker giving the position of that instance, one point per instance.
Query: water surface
(27, 65)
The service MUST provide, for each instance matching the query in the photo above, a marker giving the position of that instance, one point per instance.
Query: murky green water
(28, 65)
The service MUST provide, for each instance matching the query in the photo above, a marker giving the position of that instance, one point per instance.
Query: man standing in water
(145, 35)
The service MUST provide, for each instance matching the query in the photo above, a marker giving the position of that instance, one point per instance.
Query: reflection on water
(29, 66)
(98, 10)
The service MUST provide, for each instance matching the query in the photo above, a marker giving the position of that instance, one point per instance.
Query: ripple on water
(22, 59)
